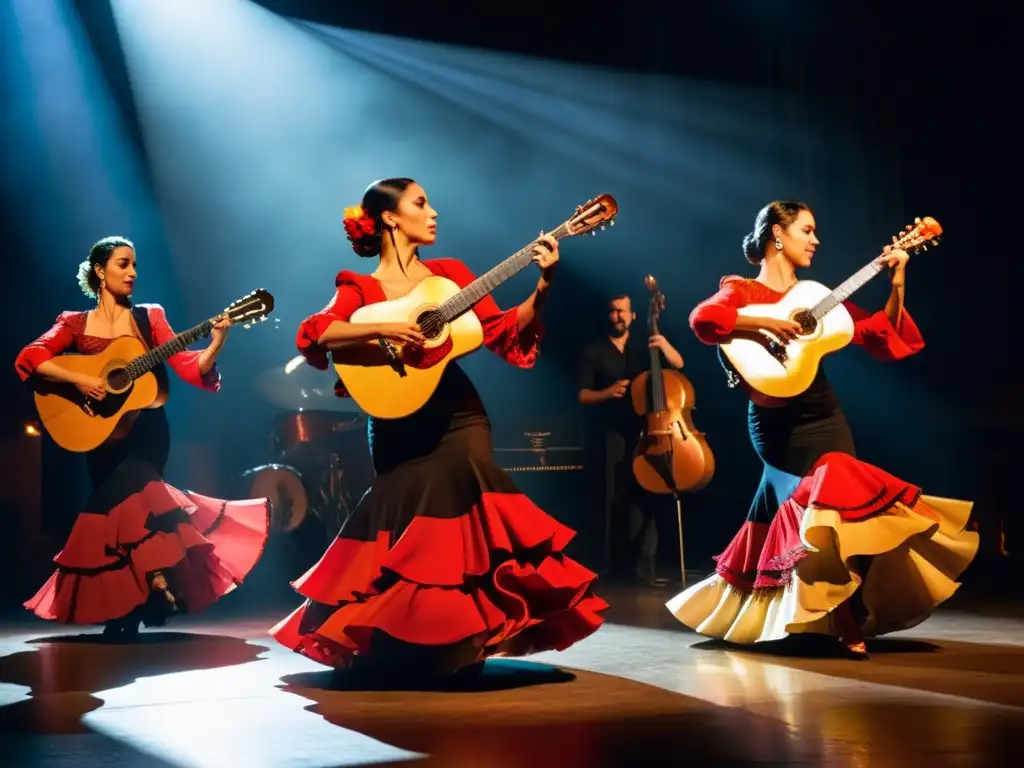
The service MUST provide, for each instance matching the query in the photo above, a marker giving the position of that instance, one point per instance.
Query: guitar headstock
(919, 235)
(592, 214)
(251, 309)
(657, 300)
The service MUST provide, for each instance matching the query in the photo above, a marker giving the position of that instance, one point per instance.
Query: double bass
(672, 456)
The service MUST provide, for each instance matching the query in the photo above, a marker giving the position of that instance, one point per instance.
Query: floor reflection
(641, 691)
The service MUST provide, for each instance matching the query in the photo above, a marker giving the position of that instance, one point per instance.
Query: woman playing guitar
(443, 562)
(867, 531)
(141, 549)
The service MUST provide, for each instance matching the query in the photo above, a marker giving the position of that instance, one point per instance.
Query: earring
(778, 244)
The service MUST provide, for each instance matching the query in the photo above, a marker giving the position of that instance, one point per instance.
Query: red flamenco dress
(142, 550)
(824, 527)
(443, 562)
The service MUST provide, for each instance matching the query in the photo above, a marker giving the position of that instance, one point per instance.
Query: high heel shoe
(856, 650)
(159, 583)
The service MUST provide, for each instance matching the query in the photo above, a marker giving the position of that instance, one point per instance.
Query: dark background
(227, 146)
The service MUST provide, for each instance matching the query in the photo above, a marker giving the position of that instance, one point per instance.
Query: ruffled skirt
(442, 564)
(848, 526)
(136, 525)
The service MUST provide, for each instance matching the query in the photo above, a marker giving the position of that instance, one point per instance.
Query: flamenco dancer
(443, 562)
(832, 545)
(141, 550)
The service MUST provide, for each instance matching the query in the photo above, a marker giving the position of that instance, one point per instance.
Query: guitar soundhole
(119, 379)
(808, 323)
(431, 323)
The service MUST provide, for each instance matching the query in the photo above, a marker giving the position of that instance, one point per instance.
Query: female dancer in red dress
(443, 562)
(140, 550)
(831, 545)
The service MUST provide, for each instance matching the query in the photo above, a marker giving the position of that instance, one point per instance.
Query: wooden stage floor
(215, 690)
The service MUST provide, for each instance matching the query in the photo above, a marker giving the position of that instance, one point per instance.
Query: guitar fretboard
(846, 289)
(487, 282)
(145, 363)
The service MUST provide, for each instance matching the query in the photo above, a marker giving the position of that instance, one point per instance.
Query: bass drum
(282, 484)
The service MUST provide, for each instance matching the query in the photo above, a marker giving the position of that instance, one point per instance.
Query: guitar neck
(845, 290)
(147, 362)
(487, 282)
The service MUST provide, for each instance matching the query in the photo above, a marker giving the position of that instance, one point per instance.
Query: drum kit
(321, 463)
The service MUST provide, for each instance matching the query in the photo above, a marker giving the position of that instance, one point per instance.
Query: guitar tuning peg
(917, 220)
(611, 223)
(602, 227)
(593, 233)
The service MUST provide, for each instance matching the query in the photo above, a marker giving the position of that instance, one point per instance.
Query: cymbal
(296, 386)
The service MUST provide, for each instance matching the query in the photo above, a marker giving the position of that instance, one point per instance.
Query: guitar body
(65, 411)
(390, 391)
(389, 380)
(786, 371)
(672, 456)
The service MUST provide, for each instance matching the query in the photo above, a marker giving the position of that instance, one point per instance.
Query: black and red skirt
(135, 525)
(442, 564)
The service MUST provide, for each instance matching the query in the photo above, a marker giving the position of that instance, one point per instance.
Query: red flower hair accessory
(358, 225)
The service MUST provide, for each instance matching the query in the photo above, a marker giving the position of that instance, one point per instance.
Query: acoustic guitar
(390, 380)
(79, 423)
(672, 456)
(784, 369)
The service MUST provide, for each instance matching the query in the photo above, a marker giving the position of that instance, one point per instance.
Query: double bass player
(636, 519)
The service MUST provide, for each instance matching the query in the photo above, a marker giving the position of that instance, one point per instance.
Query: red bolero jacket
(715, 318)
(68, 335)
(501, 327)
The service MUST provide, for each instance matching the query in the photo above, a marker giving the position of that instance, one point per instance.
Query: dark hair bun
(751, 248)
(367, 246)
(363, 223)
(781, 212)
(99, 255)
(362, 231)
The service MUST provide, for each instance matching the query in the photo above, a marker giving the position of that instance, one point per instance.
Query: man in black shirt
(633, 516)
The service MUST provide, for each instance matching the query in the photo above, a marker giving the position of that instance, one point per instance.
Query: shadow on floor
(496, 675)
(65, 672)
(511, 716)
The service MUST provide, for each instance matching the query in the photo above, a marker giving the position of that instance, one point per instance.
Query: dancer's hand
(92, 387)
(407, 333)
(896, 260)
(545, 253)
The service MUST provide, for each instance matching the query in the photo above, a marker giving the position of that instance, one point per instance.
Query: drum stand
(331, 505)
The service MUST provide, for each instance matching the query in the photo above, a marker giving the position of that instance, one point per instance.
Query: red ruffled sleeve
(57, 340)
(185, 364)
(715, 318)
(348, 297)
(880, 338)
(501, 327)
